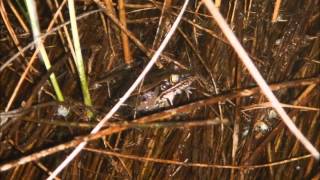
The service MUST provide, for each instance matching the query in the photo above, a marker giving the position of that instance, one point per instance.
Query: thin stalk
(124, 37)
(31, 6)
(79, 59)
(276, 11)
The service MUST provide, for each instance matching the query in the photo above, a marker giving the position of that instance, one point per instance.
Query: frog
(164, 94)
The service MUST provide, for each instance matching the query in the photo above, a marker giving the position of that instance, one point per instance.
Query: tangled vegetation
(198, 113)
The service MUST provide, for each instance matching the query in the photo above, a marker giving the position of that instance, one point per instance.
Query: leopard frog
(163, 95)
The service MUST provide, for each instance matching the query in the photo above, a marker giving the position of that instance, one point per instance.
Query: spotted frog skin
(163, 95)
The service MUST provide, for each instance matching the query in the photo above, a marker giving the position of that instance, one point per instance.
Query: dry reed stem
(185, 124)
(276, 11)
(268, 105)
(237, 119)
(23, 77)
(163, 27)
(109, 10)
(199, 165)
(125, 40)
(19, 18)
(109, 6)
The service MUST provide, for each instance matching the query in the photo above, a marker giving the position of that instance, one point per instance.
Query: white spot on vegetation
(63, 111)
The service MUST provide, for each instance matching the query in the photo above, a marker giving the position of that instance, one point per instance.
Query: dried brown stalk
(125, 40)
(276, 11)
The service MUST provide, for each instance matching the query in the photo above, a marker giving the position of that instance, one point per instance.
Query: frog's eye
(163, 87)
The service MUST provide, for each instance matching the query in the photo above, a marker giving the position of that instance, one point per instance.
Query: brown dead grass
(179, 142)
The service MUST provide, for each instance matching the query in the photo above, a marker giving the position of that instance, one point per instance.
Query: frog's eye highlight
(164, 86)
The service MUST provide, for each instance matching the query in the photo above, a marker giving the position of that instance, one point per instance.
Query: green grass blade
(79, 59)
(32, 10)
